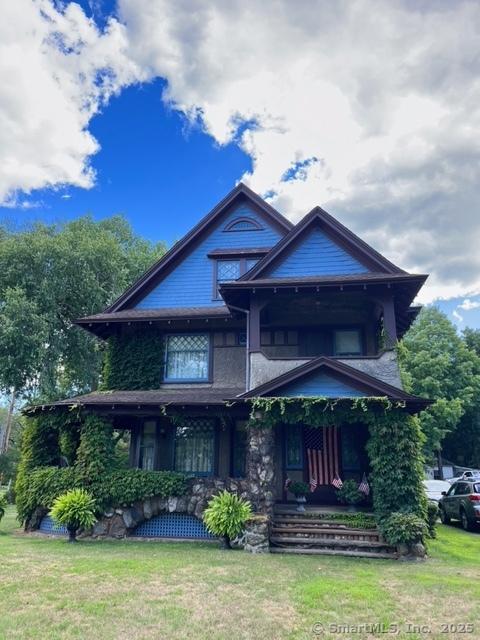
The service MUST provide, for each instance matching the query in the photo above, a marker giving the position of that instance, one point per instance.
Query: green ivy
(133, 360)
(115, 488)
(394, 447)
(95, 455)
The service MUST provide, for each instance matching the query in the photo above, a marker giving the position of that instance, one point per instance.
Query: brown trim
(359, 249)
(321, 282)
(165, 263)
(235, 252)
(356, 378)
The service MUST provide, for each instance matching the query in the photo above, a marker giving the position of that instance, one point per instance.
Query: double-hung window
(187, 357)
(348, 342)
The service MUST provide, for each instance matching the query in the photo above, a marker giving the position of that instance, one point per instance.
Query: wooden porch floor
(285, 508)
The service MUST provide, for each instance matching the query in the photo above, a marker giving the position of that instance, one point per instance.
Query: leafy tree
(463, 445)
(11, 455)
(437, 364)
(49, 276)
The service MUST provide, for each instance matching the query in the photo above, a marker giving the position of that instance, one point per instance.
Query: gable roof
(345, 239)
(162, 267)
(349, 376)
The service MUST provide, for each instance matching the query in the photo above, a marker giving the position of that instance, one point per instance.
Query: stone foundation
(256, 537)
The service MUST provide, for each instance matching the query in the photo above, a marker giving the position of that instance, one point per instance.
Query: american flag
(364, 487)
(322, 455)
(337, 482)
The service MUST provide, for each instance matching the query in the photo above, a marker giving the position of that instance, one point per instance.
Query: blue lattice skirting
(173, 525)
(47, 525)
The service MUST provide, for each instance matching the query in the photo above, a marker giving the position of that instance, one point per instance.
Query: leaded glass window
(195, 447)
(294, 446)
(186, 357)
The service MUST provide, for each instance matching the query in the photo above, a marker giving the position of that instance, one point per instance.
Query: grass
(148, 590)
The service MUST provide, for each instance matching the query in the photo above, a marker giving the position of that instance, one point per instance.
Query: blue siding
(191, 283)
(317, 255)
(318, 384)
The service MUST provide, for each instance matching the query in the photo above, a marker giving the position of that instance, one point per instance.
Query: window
(461, 489)
(348, 343)
(187, 357)
(195, 447)
(350, 446)
(243, 224)
(227, 270)
(147, 446)
(239, 456)
(294, 446)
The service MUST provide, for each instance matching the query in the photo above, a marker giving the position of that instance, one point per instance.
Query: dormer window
(243, 224)
(228, 270)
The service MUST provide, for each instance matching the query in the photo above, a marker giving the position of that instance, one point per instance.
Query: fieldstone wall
(256, 537)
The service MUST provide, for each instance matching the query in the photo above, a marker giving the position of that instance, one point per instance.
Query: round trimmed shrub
(74, 509)
(226, 516)
(349, 493)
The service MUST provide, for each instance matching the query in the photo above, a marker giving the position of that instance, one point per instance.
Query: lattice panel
(47, 525)
(228, 270)
(173, 525)
(188, 343)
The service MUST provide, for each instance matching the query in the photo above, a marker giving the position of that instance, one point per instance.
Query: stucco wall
(384, 368)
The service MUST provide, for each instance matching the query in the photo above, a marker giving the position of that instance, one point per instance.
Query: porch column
(260, 469)
(254, 325)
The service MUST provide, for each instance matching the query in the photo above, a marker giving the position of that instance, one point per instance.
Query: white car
(434, 489)
(466, 475)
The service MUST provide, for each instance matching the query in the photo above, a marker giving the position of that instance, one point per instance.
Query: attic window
(243, 224)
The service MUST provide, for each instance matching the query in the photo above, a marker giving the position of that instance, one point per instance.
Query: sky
(156, 109)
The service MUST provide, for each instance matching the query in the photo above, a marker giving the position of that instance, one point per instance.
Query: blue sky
(156, 109)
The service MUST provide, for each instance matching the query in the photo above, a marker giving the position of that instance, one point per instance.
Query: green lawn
(133, 590)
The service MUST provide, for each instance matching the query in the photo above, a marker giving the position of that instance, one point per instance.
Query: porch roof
(354, 378)
(138, 399)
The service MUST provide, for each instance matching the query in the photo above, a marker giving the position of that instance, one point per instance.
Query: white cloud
(370, 108)
(468, 305)
(385, 95)
(56, 71)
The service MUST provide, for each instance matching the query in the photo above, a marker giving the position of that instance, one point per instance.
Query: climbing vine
(133, 360)
(394, 447)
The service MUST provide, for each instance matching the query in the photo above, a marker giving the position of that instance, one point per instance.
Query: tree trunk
(8, 426)
(440, 464)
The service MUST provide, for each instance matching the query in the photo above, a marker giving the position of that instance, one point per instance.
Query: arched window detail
(243, 224)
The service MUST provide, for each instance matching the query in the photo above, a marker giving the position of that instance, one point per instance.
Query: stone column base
(256, 538)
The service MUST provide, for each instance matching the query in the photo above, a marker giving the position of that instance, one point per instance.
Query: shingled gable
(240, 194)
(361, 257)
(346, 375)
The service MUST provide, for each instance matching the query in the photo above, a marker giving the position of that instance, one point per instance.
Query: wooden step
(327, 531)
(334, 552)
(324, 522)
(326, 542)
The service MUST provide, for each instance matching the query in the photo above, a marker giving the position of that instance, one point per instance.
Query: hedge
(116, 488)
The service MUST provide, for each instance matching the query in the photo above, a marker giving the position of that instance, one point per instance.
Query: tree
(437, 364)
(463, 444)
(49, 276)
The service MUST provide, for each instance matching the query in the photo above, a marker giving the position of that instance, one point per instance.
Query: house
(246, 306)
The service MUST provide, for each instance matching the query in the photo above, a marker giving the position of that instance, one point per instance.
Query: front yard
(137, 590)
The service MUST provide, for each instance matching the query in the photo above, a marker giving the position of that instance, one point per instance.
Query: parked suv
(461, 502)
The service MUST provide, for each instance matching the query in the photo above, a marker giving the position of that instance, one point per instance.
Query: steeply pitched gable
(184, 276)
(319, 245)
(319, 384)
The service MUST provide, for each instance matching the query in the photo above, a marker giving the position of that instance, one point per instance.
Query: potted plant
(349, 494)
(226, 515)
(300, 491)
(74, 509)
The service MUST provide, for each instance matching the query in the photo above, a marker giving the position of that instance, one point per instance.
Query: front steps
(312, 533)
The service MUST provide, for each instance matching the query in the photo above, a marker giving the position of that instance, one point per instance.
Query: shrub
(226, 516)
(74, 509)
(3, 505)
(403, 528)
(95, 453)
(299, 488)
(349, 493)
(122, 487)
(432, 517)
